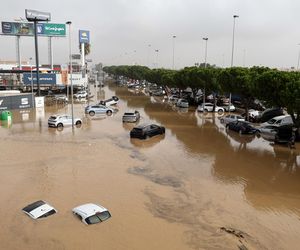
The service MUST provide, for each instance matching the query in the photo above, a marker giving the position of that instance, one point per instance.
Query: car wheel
(163, 130)
(78, 123)
(222, 120)
(108, 112)
(220, 111)
(205, 110)
(60, 125)
(227, 126)
(91, 113)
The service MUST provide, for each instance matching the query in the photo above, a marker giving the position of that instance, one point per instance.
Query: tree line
(274, 87)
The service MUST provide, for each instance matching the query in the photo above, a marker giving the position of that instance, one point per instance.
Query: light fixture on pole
(71, 71)
(173, 65)
(156, 51)
(232, 51)
(298, 58)
(205, 39)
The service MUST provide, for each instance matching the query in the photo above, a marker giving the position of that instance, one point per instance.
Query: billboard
(44, 79)
(27, 29)
(84, 36)
(20, 101)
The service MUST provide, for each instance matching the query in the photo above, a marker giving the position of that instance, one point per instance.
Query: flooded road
(197, 187)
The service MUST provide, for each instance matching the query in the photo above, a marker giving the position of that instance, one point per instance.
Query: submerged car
(81, 94)
(98, 109)
(131, 116)
(209, 107)
(182, 103)
(146, 131)
(242, 127)
(111, 101)
(59, 121)
(39, 209)
(231, 118)
(91, 213)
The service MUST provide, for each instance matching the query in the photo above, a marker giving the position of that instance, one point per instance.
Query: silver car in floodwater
(131, 116)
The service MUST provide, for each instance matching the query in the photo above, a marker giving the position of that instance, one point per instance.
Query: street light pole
(298, 58)
(30, 60)
(232, 51)
(234, 17)
(71, 71)
(157, 58)
(205, 39)
(148, 52)
(173, 65)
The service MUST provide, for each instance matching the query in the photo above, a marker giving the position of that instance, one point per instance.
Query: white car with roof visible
(81, 94)
(39, 209)
(91, 213)
(59, 121)
(209, 107)
(231, 118)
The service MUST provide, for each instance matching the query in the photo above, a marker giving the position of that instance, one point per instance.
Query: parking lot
(172, 191)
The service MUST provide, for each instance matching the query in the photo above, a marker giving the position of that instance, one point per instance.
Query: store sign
(54, 29)
(27, 29)
(84, 36)
(44, 79)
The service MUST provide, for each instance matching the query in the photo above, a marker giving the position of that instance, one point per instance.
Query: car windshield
(92, 219)
(53, 117)
(98, 218)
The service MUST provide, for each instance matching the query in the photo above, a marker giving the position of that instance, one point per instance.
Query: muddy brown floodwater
(197, 187)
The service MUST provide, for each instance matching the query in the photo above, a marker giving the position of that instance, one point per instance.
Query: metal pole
(205, 39)
(298, 58)
(18, 52)
(36, 58)
(50, 50)
(31, 81)
(156, 57)
(173, 52)
(71, 71)
(148, 52)
(232, 51)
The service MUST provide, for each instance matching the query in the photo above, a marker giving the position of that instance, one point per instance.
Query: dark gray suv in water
(146, 131)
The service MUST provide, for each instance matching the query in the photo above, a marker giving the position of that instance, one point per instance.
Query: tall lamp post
(298, 58)
(205, 39)
(30, 61)
(156, 51)
(232, 51)
(71, 71)
(173, 64)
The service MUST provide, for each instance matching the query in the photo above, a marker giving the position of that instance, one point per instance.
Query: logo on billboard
(24, 101)
(84, 36)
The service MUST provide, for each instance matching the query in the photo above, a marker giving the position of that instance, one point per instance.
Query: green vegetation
(274, 87)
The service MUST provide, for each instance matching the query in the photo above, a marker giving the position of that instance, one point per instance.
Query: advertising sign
(15, 102)
(27, 29)
(44, 79)
(84, 36)
(14, 28)
(64, 74)
(34, 15)
(51, 29)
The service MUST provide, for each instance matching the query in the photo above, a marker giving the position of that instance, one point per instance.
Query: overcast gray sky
(267, 31)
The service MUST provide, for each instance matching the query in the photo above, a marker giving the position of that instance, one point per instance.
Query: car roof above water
(89, 209)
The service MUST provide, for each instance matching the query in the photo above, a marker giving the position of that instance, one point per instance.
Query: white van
(278, 121)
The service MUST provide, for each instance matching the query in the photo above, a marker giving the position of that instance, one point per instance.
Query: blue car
(98, 109)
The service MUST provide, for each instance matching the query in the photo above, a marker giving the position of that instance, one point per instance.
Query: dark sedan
(146, 131)
(242, 127)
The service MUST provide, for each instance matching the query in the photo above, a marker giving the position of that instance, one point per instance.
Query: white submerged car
(91, 213)
(39, 209)
(208, 107)
(231, 118)
(60, 121)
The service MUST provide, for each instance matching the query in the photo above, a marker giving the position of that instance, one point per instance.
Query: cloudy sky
(267, 31)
